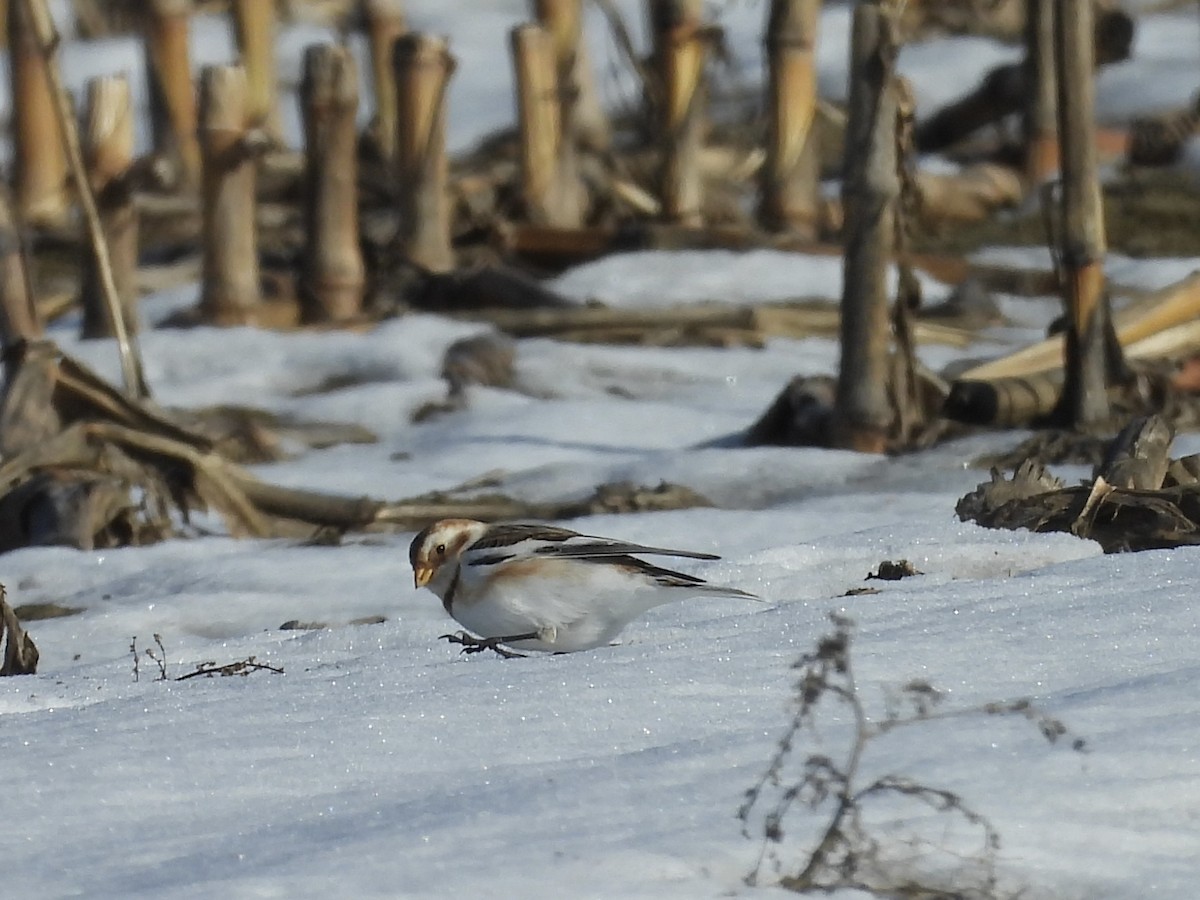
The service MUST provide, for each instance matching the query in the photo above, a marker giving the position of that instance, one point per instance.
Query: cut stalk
(680, 53)
(230, 291)
(254, 25)
(863, 412)
(584, 120)
(791, 175)
(172, 94)
(385, 22)
(39, 156)
(108, 154)
(331, 286)
(19, 320)
(1041, 115)
(1091, 343)
(548, 185)
(423, 67)
(47, 38)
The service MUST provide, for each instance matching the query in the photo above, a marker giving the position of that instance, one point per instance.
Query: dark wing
(562, 543)
(671, 578)
(665, 577)
(505, 535)
(500, 544)
(588, 547)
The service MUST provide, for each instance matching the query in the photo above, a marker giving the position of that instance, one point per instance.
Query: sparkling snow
(383, 764)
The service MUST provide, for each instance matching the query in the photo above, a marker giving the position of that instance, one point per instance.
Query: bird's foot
(472, 644)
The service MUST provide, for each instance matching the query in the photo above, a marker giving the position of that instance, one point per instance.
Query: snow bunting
(537, 587)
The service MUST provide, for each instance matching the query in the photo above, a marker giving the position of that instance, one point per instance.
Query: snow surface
(383, 764)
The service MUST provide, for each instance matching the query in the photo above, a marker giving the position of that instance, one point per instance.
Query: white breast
(586, 604)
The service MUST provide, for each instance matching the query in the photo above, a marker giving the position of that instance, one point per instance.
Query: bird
(539, 587)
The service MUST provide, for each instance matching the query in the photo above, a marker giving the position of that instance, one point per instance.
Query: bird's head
(435, 551)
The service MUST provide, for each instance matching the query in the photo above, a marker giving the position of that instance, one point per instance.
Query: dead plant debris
(207, 669)
(862, 591)
(242, 667)
(894, 570)
(1137, 499)
(34, 612)
(85, 466)
(20, 652)
(911, 857)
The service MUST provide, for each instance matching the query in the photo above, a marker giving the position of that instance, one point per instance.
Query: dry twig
(849, 853)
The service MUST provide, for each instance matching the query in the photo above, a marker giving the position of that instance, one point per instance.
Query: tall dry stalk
(1093, 356)
(680, 54)
(230, 293)
(863, 411)
(172, 93)
(385, 22)
(583, 117)
(791, 174)
(47, 38)
(39, 155)
(549, 187)
(255, 26)
(108, 155)
(423, 68)
(332, 273)
(19, 320)
(1041, 111)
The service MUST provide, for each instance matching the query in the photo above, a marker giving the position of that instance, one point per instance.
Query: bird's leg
(472, 644)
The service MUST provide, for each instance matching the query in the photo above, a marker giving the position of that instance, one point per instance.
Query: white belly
(582, 604)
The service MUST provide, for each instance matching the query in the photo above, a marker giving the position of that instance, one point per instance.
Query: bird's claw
(471, 644)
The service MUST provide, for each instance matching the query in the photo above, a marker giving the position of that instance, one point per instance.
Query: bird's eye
(441, 550)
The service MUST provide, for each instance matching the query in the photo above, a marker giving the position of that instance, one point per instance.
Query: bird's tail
(720, 590)
(694, 583)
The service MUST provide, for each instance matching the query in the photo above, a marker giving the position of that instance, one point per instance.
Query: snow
(651, 279)
(383, 764)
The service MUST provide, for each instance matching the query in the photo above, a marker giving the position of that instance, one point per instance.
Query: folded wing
(517, 539)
